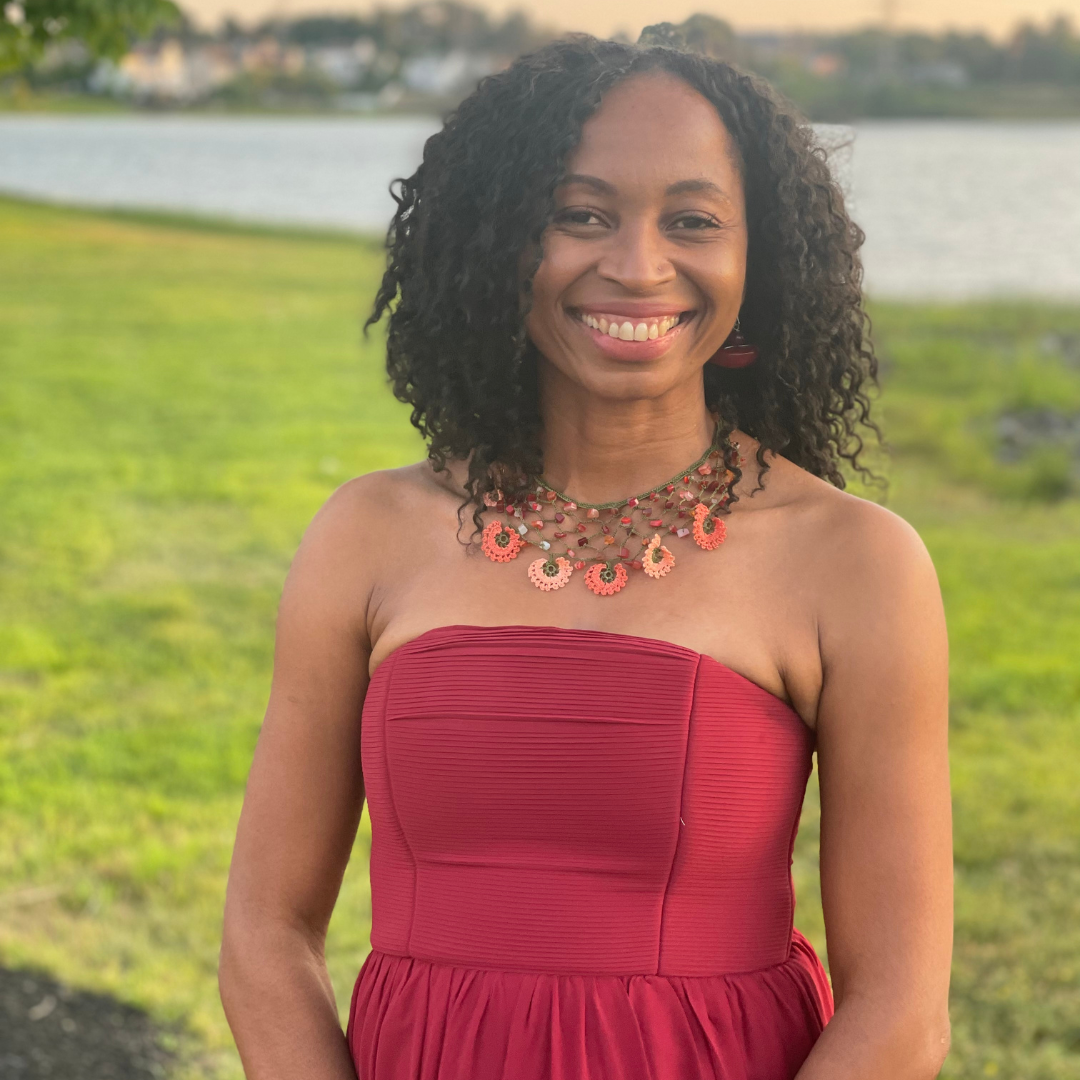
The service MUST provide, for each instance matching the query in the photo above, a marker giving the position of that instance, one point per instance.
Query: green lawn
(178, 399)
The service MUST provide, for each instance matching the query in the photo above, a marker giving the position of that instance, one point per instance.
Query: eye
(695, 223)
(578, 215)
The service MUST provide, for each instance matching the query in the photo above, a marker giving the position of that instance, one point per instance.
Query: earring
(734, 353)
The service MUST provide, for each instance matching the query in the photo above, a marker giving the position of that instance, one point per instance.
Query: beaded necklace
(608, 540)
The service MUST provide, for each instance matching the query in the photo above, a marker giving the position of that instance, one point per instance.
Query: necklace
(609, 540)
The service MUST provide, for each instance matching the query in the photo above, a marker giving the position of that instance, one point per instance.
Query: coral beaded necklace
(607, 540)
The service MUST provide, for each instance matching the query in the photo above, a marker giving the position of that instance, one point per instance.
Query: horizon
(607, 17)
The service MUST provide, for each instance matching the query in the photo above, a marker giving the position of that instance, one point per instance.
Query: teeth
(645, 330)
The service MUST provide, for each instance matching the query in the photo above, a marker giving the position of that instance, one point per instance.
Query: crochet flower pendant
(658, 560)
(709, 530)
(500, 543)
(608, 540)
(548, 574)
(606, 580)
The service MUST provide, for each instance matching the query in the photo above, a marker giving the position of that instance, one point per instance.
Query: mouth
(624, 329)
(632, 337)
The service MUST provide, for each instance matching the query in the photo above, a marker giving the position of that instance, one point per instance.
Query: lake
(951, 209)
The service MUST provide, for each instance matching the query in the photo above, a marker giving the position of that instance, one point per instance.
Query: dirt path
(48, 1030)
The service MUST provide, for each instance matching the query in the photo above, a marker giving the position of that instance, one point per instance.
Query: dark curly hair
(457, 350)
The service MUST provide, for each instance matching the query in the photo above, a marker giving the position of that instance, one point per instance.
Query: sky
(603, 17)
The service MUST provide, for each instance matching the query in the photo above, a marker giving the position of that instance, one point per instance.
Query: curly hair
(457, 350)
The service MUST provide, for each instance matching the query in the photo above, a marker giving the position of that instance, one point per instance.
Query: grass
(16, 96)
(177, 403)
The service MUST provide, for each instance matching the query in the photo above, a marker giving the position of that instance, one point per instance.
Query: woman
(597, 635)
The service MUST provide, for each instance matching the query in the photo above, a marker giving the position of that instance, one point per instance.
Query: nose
(636, 258)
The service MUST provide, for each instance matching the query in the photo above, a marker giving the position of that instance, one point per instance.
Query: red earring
(734, 353)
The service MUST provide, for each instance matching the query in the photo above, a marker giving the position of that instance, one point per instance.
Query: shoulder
(375, 495)
(377, 505)
(840, 534)
(870, 591)
(871, 577)
(864, 538)
(856, 561)
(356, 535)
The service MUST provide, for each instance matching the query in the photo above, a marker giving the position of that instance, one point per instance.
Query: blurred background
(191, 204)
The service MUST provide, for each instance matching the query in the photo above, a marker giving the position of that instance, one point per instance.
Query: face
(644, 263)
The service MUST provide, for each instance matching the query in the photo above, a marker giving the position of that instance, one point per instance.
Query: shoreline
(841, 104)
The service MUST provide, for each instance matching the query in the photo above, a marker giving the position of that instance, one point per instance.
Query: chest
(744, 603)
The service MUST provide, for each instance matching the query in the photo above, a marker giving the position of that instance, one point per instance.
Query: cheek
(726, 275)
(542, 285)
(539, 289)
(539, 318)
(553, 276)
(564, 261)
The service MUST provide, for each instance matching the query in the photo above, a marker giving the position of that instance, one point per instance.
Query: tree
(105, 27)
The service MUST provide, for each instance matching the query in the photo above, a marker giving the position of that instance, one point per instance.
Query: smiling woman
(624, 302)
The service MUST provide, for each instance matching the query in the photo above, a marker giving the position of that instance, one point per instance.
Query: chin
(627, 383)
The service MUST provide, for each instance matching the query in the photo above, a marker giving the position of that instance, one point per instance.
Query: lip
(616, 348)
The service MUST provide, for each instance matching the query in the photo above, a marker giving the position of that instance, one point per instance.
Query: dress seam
(790, 960)
(681, 825)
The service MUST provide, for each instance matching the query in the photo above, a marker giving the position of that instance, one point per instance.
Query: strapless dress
(581, 852)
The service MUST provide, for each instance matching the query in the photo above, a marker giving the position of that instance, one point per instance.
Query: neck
(601, 449)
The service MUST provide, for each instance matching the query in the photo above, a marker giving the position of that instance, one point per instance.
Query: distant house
(157, 70)
(166, 71)
(439, 74)
(943, 73)
(343, 65)
(827, 65)
(270, 55)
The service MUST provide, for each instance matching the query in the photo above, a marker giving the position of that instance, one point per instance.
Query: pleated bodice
(578, 809)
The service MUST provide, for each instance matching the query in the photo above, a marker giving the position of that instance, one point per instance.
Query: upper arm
(305, 791)
(886, 833)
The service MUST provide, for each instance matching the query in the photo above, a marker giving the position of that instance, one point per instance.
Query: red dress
(580, 865)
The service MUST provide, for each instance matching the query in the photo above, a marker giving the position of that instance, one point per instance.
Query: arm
(301, 810)
(886, 826)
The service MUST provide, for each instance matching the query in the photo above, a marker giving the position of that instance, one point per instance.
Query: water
(951, 209)
(324, 172)
(960, 209)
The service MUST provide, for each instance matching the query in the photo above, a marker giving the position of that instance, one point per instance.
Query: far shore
(838, 104)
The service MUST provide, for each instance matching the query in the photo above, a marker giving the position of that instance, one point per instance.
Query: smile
(630, 336)
(632, 330)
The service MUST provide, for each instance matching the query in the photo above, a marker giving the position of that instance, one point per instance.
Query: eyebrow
(682, 187)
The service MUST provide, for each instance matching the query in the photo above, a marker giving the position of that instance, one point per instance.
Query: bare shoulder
(334, 570)
(869, 589)
(842, 537)
(865, 537)
(375, 495)
(375, 504)
(867, 571)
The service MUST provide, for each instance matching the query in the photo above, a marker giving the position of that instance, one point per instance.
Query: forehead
(655, 129)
